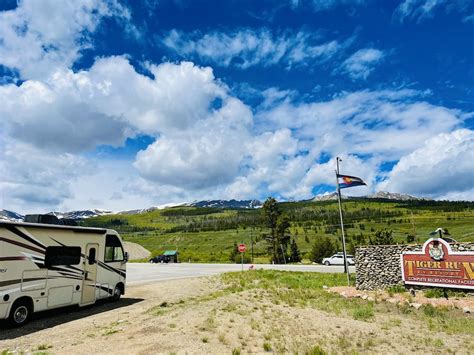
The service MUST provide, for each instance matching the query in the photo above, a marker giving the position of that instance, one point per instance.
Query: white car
(338, 259)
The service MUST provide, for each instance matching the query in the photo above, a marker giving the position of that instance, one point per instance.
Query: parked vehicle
(338, 259)
(160, 259)
(45, 266)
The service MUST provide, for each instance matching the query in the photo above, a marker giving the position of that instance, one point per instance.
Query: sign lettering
(438, 265)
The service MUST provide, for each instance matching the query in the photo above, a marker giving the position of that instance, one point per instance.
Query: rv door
(90, 274)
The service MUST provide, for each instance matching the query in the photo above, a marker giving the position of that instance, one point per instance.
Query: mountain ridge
(7, 215)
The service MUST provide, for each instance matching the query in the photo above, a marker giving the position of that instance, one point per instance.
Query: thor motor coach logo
(438, 265)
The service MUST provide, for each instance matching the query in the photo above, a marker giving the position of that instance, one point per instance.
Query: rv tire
(20, 312)
(117, 293)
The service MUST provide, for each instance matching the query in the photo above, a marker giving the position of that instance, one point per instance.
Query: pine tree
(295, 252)
(383, 237)
(234, 252)
(278, 238)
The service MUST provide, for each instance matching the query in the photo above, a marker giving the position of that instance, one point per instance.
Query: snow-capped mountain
(80, 214)
(378, 195)
(11, 216)
(144, 210)
(328, 197)
(395, 196)
(6, 215)
(247, 204)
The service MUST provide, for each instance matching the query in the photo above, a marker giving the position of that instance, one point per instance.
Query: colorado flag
(349, 181)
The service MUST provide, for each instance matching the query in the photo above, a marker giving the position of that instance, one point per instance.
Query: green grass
(363, 312)
(44, 347)
(304, 289)
(208, 234)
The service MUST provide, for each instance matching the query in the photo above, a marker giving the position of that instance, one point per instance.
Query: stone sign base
(378, 266)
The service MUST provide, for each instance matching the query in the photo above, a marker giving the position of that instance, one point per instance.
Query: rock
(466, 310)
(392, 300)
(370, 299)
(325, 287)
(415, 305)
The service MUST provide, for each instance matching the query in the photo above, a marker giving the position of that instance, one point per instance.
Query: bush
(364, 312)
(322, 248)
(383, 237)
(396, 289)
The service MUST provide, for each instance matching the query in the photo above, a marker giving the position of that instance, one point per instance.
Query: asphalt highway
(142, 273)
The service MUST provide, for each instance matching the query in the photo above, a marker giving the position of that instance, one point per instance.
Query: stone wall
(378, 266)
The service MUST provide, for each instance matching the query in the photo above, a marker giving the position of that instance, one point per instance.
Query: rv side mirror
(126, 256)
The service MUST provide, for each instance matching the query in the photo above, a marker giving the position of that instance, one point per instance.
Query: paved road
(141, 273)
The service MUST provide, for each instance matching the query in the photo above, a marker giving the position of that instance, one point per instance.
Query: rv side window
(113, 249)
(57, 256)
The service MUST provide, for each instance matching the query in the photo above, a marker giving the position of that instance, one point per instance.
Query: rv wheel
(117, 293)
(20, 313)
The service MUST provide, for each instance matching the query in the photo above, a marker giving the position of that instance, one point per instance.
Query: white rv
(45, 266)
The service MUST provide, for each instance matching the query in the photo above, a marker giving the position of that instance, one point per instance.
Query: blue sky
(121, 104)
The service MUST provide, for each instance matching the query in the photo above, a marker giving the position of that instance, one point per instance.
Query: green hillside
(208, 234)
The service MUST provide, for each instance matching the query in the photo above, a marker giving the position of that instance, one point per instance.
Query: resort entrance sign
(438, 265)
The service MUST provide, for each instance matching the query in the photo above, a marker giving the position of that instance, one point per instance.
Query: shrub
(322, 248)
(363, 312)
(316, 350)
(383, 237)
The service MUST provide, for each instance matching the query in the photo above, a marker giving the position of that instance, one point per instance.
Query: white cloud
(245, 48)
(32, 179)
(37, 37)
(362, 63)
(207, 153)
(420, 10)
(109, 102)
(443, 166)
(386, 123)
(469, 18)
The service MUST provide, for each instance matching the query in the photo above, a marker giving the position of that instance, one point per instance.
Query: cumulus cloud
(109, 102)
(245, 48)
(39, 36)
(207, 153)
(362, 63)
(442, 166)
(207, 143)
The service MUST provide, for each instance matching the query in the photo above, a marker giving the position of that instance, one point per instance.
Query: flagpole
(342, 222)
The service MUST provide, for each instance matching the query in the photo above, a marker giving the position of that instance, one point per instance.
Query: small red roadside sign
(242, 248)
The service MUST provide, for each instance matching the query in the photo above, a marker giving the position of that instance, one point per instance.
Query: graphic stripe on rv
(110, 268)
(26, 246)
(19, 233)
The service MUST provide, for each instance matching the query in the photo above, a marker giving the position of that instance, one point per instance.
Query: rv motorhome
(44, 266)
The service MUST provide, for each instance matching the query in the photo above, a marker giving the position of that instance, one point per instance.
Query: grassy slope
(159, 230)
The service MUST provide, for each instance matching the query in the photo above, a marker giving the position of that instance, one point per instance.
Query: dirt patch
(197, 316)
(136, 251)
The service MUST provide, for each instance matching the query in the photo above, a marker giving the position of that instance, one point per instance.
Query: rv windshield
(113, 249)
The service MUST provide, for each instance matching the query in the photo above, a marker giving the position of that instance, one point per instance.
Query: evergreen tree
(295, 252)
(322, 248)
(383, 237)
(234, 252)
(278, 238)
